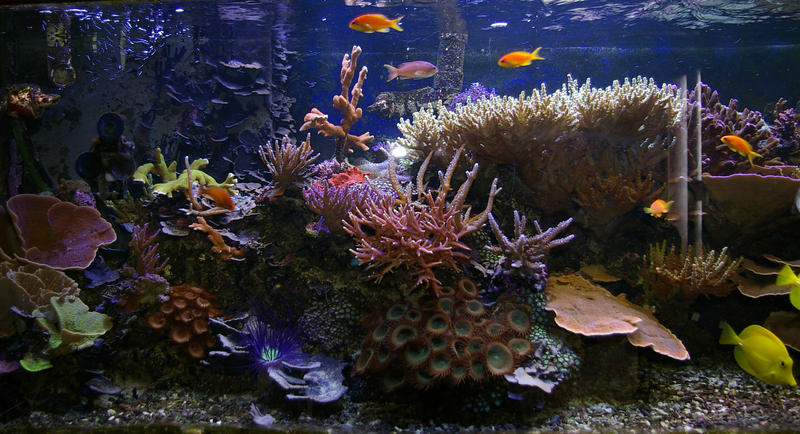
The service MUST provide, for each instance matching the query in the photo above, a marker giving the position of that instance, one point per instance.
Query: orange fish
(415, 69)
(220, 195)
(658, 208)
(369, 23)
(519, 58)
(740, 146)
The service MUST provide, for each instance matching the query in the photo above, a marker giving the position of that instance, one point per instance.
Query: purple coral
(473, 93)
(335, 203)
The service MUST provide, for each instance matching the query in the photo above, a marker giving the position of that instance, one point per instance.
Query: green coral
(74, 326)
(171, 180)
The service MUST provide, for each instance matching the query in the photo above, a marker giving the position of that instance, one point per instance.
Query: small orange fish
(369, 23)
(220, 195)
(658, 208)
(740, 145)
(516, 59)
(415, 69)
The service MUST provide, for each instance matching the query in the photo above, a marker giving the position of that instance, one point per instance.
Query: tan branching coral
(588, 309)
(555, 140)
(288, 164)
(56, 233)
(351, 113)
(690, 273)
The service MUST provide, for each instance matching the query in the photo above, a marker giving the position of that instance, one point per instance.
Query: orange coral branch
(225, 251)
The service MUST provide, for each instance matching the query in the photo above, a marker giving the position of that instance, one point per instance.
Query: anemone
(272, 342)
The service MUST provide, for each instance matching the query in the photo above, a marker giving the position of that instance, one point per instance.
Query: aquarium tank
(400, 215)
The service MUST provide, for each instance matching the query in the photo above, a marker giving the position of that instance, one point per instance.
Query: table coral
(59, 234)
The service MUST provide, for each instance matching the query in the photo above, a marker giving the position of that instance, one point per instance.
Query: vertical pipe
(681, 189)
(698, 204)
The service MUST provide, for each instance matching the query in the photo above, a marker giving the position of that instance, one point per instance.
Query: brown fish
(416, 69)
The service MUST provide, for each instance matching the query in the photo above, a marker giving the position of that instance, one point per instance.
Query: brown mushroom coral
(584, 308)
(59, 234)
(186, 315)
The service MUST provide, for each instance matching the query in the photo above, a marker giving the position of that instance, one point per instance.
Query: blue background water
(745, 49)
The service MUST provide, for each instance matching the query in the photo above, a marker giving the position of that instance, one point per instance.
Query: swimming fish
(760, 353)
(516, 59)
(220, 195)
(416, 69)
(658, 208)
(787, 277)
(740, 145)
(369, 23)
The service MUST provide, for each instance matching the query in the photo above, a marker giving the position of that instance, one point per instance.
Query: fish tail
(786, 277)
(535, 54)
(728, 336)
(392, 72)
(648, 210)
(395, 24)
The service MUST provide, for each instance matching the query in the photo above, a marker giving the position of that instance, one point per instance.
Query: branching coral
(555, 140)
(59, 234)
(718, 120)
(172, 181)
(145, 251)
(335, 203)
(288, 164)
(523, 252)
(218, 244)
(349, 108)
(689, 272)
(421, 233)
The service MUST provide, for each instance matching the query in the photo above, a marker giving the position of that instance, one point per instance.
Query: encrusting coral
(691, 273)
(288, 164)
(588, 309)
(56, 233)
(351, 113)
(419, 233)
(185, 314)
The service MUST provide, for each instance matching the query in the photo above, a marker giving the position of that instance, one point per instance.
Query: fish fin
(786, 277)
(728, 336)
(741, 360)
(535, 54)
(392, 72)
(383, 30)
(648, 210)
(395, 24)
(794, 297)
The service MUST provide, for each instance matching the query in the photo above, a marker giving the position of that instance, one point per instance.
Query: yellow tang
(760, 353)
(787, 277)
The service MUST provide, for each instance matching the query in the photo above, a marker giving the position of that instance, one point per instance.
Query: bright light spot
(178, 10)
(399, 152)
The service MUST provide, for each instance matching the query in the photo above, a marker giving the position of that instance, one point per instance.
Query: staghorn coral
(786, 128)
(348, 107)
(450, 338)
(288, 164)
(588, 309)
(59, 234)
(523, 252)
(185, 314)
(690, 273)
(718, 120)
(419, 233)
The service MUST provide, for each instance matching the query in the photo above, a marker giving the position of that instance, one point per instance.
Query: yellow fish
(760, 353)
(658, 208)
(787, 277)
(369, 23)
(740, 145)
(516, 59)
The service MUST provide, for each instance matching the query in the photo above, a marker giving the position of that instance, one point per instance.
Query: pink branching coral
(288, 164)
(334, 203)
(420, 234)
